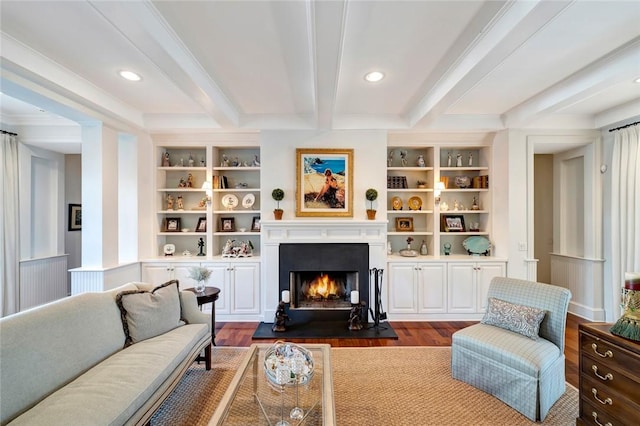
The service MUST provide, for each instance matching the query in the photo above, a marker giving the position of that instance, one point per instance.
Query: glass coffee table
(252, 399)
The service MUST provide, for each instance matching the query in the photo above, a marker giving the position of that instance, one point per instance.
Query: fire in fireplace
(322, 290)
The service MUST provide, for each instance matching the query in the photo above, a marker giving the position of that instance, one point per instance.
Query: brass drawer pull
(607, 401)
(595, 419)
(607, 376)
(607, 354)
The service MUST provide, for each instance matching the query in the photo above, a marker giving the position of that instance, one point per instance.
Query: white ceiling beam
(628, 111)
(327, 37)
(503, 31)
(162, 46)
(619, 65)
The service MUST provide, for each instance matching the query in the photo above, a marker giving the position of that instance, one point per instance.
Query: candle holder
(355, 316)
(281, 318)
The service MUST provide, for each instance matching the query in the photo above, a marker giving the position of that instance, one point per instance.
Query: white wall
(278, 165)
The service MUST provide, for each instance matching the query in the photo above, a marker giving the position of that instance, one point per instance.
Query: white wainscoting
(43, 280)
(85, 280)
(584, 278)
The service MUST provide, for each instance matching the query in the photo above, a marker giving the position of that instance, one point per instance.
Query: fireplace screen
(322, 290)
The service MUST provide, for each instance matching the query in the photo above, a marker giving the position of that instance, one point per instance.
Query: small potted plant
(371, 196)
(277, 194)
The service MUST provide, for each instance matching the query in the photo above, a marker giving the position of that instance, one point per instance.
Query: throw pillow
(521, 319)
(146, 314)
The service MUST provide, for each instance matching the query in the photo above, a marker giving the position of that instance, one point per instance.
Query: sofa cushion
(114, 390)
(514, 317)
(146, 314)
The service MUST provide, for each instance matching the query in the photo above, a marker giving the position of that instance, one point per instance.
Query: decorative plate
(230, 201)
(477, 245)
(169, 249)
(415, 203)
(396, 202)
(248, 201)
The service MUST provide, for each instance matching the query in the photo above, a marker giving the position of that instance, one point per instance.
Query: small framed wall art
(453, 223)
(404, 224)
(227, 224)
(202, 225)
(75, 217)
(172, 224)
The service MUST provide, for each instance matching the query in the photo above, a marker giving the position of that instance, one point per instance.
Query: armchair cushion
(514, 317)
(148, 314)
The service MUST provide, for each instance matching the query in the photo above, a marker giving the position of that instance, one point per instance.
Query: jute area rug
(372, 386)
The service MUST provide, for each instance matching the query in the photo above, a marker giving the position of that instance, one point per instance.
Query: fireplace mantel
(276, 232)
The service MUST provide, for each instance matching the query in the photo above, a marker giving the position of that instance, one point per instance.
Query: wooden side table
(209, 295)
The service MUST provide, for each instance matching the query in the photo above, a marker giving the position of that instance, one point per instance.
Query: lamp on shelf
(438, 191)
(207, 186)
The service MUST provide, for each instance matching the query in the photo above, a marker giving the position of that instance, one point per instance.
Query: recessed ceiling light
(637, 80)
(373, 76)
(130, 75)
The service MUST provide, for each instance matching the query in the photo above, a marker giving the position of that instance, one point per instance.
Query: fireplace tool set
(375, 275)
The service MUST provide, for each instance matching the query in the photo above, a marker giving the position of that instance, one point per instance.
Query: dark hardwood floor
(409, 334)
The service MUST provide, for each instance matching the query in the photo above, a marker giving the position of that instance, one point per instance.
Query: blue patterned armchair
(523, 372)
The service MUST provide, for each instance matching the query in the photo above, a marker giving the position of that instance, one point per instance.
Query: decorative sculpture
(165, 160)
(191, 161)
(403, 158)
(227, 250)
(190, 180)
(390, 158)
(458, 160)
(170, 200)
(201, 246)
(355, 316)
(470, 159)
(180, 203)
(420, 162)
(280, 318)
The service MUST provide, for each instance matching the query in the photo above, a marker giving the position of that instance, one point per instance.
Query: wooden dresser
(609, 377)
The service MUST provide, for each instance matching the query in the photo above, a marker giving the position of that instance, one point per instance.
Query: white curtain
(625, 208)
(9, 226)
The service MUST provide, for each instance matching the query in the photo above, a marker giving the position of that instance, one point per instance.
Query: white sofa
(65, 362)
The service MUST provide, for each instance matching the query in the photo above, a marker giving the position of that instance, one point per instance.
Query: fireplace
(321, 277)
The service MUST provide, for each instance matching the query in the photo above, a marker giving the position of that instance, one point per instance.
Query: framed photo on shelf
(172, 224)
(202, 225)
(255, 224)
(404, 224)
(324, 182)
(227, 224)
(75, 217)
(453, 223)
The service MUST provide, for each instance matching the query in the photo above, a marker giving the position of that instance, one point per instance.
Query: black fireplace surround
(321, 257)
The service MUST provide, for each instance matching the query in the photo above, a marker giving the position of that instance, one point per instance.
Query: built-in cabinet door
(160, 273)
(432, 287)
(402, 288)
(245, 288)
(461, 288)
(485, 273)
(220, 278)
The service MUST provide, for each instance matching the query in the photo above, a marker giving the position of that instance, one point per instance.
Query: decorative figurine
(190, 180)
(256, 161)
(355, 316)
(182, 162)
(180, 203)
(423, 248)
(202, 163)
(444, 206)
(225, 161)
(183, 183)
(235, 162)
(390, 159)
(456, 205)
(280, 318)
(458, 160)
(201, 246)
(448, 159)
(420, 161)
(470, 159)
(165, 160)
(227, 250)
(447, 249)
(475, 205)
(403, 158)
(170, 200)
(191, 161)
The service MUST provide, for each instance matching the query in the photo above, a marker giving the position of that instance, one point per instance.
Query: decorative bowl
(285, 352)
(462, 181)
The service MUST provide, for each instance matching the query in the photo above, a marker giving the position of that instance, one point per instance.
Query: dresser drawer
(608, 354)
(608, 401)
(610, 377)
(592, 415)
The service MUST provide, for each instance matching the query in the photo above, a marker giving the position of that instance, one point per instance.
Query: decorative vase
(423, 249)
(199, 287)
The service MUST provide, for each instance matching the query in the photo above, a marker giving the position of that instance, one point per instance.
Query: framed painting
(404, 224)
(75, 217)
(453, 223)
(202, 225)
(324, 182)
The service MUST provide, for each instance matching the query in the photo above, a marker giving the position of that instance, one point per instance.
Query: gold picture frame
(404, 224)
(324, 182)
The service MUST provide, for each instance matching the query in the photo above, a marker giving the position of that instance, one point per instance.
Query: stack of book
(397, 182)
(480, 181)
(220, 182)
